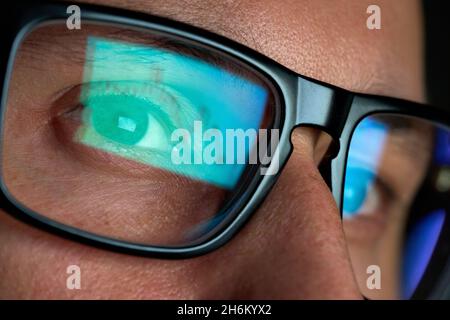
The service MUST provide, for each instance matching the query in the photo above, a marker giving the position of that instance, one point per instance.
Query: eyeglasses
(151, 137)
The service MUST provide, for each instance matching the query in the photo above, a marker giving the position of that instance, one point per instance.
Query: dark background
(437, 28)
(437, 24)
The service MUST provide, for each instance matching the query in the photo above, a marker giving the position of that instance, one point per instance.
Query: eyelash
(388, 191)
(172, 111)
(175, 106)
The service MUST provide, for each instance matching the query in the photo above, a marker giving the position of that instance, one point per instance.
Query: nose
(294, 247)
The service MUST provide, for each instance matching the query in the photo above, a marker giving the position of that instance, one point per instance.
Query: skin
(294, 247)
(375, 235)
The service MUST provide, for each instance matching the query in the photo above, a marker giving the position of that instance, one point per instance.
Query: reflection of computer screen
(151, 100)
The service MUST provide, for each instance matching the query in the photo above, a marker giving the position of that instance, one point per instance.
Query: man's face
(294, 246)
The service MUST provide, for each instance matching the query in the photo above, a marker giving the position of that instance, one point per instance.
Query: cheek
(33, 265)
(94, 193)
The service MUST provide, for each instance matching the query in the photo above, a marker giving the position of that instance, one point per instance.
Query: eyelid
(355, 161)
(178, 107)
(378, 182)
(66, 126)
(385, 187)
(171, 111)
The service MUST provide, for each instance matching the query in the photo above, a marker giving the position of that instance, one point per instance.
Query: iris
(122, 119)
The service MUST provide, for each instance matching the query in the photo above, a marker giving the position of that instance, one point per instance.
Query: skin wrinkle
(293, 247)
(134, 207)
(111, 196)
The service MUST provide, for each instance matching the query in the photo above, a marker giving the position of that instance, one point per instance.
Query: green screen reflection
(136, 96)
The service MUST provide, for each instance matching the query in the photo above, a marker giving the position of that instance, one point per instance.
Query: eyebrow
(410, 133)
(397, 122)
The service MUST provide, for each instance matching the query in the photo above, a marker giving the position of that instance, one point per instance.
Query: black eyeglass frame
(304, 102)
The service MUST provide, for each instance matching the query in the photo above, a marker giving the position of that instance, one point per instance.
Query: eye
(361, 192)
(128, 120)
(124, 127)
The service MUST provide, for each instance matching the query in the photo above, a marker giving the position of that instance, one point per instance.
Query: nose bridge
(322, 106)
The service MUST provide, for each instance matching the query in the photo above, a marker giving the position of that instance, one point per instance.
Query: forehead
(326, 40)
